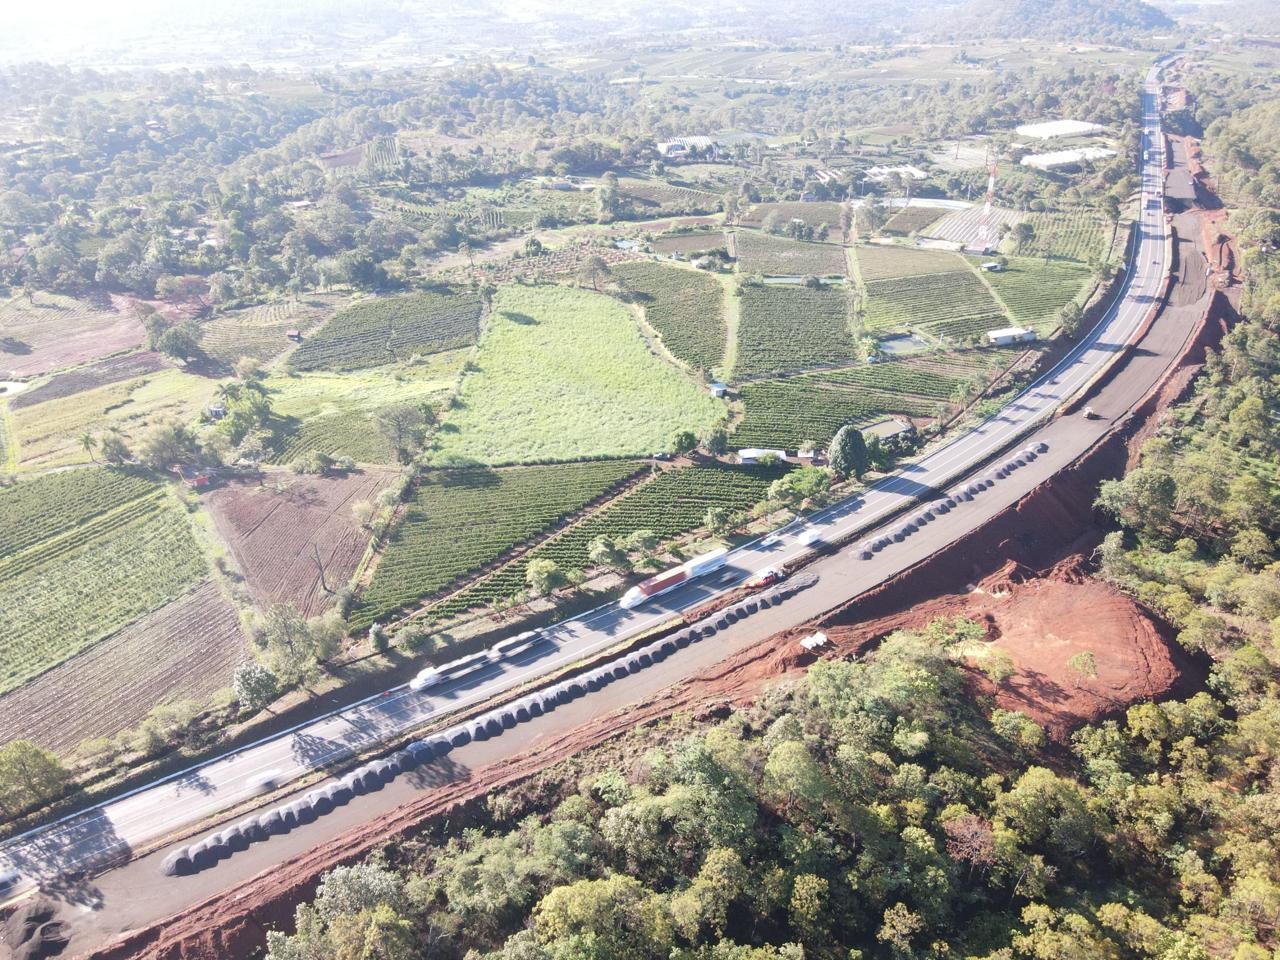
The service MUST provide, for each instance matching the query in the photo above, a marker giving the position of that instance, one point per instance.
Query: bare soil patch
(99, 374)
(295, 538)
(50, 332)
(185, 650)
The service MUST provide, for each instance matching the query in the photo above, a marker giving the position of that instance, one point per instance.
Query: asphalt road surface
(106, 835)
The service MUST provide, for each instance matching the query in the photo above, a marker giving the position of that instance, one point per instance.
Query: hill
(1088, 20)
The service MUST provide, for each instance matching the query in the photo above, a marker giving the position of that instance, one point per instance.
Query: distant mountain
(1084, 20)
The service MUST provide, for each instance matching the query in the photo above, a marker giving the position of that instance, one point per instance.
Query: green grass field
(83, 554)
(564, 374)
(1035, 291)
(48, 434)
(686, 307)
(785, 327)
(383, 330)
(460, 520)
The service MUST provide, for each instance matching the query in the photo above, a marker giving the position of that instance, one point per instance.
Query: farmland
(460, 520)
(912, 219)
(332, 412)
(948, 305)
(965, 226)
(777, 256)
(685, 307)
(48, 434)
(790, 327)
(78, 576)
(112, 370)
(259, 332)
(812, 215)
(672, 504)
(887, 261)
(657, 195)
(119, 679)
(688, 243)
(564, 374)
(785, 413)
(50, 331)
(295, 539)
(1080, 235)
(1035, 290)
(376, 331)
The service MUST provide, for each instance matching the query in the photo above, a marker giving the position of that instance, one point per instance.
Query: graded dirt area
(185, 650)
(295, 538)
(1042, 622)
(48, 332)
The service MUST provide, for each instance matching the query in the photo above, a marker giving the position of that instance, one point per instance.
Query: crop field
(564, 374)
(1076, 235)
(7, 463)
(949, 305)
(660, 195)
(780, 257)
(812, 215)
(259, 332)
(965, 226)
(333, 412)
(561, 261)
(73, 582)
(126, 366)
(1035, 290)
(119, 679)
(48, 434)
(378, 331)
(51, 331)
(672, 504)
(878, 261)
(911, 220)
(785, 413)
(295, 539)
(686, 307)
(791, 327)
(688, 243)
(461, 520)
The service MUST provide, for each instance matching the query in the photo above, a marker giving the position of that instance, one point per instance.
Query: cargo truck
(670, 579)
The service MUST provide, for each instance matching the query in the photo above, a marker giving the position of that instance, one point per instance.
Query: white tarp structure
(1048, 129)
(1062, 158)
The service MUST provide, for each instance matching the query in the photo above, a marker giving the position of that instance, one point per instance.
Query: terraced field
(671, 505)
(564, 374)
(259, 332)
(785, 327)
(779, 257)
(1035, 290)
(878, 261)
(686, 307)
(954, 306)
(460, 520)
(387, 329)
(83, 557)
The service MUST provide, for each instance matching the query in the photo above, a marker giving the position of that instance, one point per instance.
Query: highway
(106, 835)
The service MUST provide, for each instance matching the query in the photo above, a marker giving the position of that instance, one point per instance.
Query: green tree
(543, 576)
(604, 551)
(717, 442)
(615, 917)
(255, 686)
(800, 485)
(898, 927)
(1083, 665)
(684, 441)
(30, 777)
(848, 452)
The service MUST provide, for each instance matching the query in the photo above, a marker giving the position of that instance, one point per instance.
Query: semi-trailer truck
(670, 579)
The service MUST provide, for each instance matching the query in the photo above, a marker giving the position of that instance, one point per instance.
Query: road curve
(107, 834)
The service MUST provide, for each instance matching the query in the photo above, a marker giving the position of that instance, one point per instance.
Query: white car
(811, 537)
(425, 678)
(772, 540)
(265, 782)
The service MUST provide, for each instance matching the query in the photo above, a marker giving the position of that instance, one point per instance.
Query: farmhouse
(1007, 335)
(890, 428)
(718, 389)
(750, 455)
(197, 478)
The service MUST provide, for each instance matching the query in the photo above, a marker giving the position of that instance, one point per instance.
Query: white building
(1007, 335)
(682, 146)
(756, 454)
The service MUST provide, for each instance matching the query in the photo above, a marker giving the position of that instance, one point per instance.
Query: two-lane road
(108, 833)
